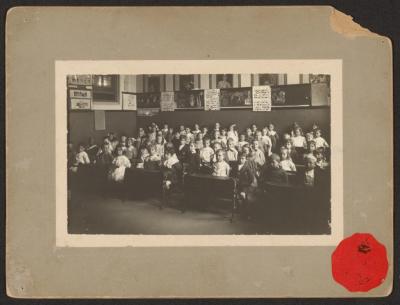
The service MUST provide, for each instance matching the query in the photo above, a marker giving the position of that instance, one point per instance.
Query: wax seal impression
(359, 263)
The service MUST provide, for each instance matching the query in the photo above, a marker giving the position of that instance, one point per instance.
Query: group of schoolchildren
(255, 157)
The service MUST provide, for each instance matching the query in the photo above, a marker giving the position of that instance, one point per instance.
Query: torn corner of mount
(345, 25)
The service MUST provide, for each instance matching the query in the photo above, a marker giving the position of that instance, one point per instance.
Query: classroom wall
(81, 125)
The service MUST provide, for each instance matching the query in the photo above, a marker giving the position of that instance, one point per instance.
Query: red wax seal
(359, 263)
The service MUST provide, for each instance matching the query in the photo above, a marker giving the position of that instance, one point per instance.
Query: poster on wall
(211, 99)
(262, 98)
(75, 93)
(79, 80)
(148, 100)
(80, 104)
(236, 98)
(128, 101)
(167, 101)
(190, 99)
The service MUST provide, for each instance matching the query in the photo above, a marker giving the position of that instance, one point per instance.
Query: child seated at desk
(104, 156)
(183, 149)
(199, 141)
(319, 140)
(153, 162)
(144, 156)
(92, 149)
(189, 135)
(82, 157)
(298, 140)
(204, 132)
(217, 146)
(220, 167)
(119, 164)
(286, 162)
(310, 174)
(206, 156)
(172, 170)
(131, 151)
(310, 149)
(231, 152)
(223, 137)
(249, 135)
(160, 142)
(242, 142)
(321, 160)
(233, 134)
(292, 151)
(246, 175)
(193, 159)
(273, 173)
(196, 129)
(273, 135)
(259, 156)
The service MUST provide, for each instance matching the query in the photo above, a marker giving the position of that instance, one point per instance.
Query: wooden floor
(90, 213)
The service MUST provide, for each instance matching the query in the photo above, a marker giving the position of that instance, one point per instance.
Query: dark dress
(193, 162)
(274, 175)
(173, 174)
(246, 177)
(183, 153)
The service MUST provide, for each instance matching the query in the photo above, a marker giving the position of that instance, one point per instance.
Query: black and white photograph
(148, 100)
(236, 98)
(189, 99)
(234, 170)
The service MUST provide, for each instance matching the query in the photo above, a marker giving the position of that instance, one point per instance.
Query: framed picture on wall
(291, 95)
(80, 103)
(236, 98)
(148, 100)
(191, 99)
(129, 101)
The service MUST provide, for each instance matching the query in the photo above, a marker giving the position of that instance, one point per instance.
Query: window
(105, 88)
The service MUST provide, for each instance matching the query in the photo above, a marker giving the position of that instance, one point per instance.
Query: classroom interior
(138, 208)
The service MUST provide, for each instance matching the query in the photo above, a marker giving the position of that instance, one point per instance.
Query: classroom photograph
(199, 154)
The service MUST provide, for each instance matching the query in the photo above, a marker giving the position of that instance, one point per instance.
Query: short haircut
(242, 154)
(275, 157)
(170, 151)
(310, 158)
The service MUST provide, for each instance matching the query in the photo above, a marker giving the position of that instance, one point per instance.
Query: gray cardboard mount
(38, 36)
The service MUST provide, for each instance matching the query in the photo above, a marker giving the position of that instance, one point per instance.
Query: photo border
(301, 66)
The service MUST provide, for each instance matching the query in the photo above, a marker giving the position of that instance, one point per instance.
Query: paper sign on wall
(75, 93)
(80, 103)
(129, 101)
(99, 120)
(211, 99)
(262, 98)
(167, 101)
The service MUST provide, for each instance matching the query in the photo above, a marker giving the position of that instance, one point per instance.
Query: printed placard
(83, 80)
(129, 101)
(167, 101)
(211, 99)
(74, 93)
(80, 103)
(262, 98)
